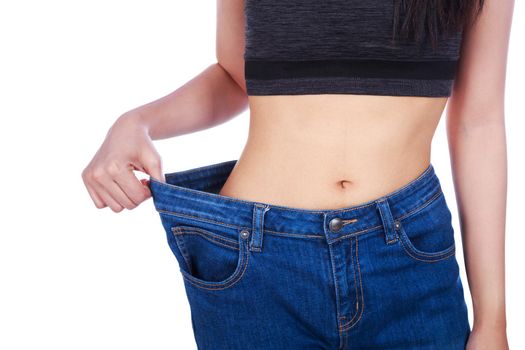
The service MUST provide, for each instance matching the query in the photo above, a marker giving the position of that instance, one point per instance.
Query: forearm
(211, 98)
(479, 167)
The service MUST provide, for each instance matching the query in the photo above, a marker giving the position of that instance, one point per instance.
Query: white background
(76, 277)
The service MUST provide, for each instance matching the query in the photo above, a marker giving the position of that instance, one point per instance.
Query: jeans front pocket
(210, 260)
(210, 256)
(427, 234)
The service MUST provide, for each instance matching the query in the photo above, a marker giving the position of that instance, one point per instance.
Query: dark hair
(432, 18)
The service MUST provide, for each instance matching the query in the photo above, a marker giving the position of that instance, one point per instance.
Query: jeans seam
(355, 285)
(336, 282)
(198, 218)
(227, 284)
(357, 233)
(177, 230)
(421, 207)
(423, 254)
(183, 252)
(237, 200)
(427, 259)
(361, 296)
(305, 235)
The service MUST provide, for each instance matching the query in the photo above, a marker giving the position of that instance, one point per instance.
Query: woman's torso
(328, 151)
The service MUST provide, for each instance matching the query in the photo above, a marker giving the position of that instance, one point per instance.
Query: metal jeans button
(336, 224)
(245, 234)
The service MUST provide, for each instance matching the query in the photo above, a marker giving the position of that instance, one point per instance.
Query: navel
(345, 183)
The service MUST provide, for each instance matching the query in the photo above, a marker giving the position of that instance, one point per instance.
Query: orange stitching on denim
(198, 218)
(423, 254)
(231, 281)
(355, 283)
(178, 230)
(389, 195)
(422, 206)
(277, 233)
(340, 338)
(383, 219)
(336, 282)
(231, 199)
(260, 229)
(252, 237)
(183, 252)
(360, 286)
(209, 239)
(357, 233)
(313, 235)
(429, 254)
(343, 210)
(423, 258)
(355, 280)
(182, 229)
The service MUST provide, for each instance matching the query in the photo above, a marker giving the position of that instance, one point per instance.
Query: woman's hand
(487, 339)
(109, 177)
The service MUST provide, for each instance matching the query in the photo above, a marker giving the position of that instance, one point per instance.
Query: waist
(328, 151)
(194, 194)
(316, 184)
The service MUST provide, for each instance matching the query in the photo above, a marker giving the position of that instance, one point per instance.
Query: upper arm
(479, 88)
(230, 38)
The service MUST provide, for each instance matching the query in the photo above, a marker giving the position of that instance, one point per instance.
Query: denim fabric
(379, 275)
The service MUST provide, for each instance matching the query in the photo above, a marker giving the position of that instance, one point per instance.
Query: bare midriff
(332, 151)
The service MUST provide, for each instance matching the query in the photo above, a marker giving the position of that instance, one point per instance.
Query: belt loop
(387, 219)
(256, 241)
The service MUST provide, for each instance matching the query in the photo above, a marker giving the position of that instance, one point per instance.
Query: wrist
(490, 314)
(496, 323)
(134, 119)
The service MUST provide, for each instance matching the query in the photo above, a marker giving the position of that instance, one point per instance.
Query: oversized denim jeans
(379, 275)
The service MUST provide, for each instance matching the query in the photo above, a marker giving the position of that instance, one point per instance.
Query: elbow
(475, 112)
(235, 71)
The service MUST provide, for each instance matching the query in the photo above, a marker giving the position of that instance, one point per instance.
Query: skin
(337, 150)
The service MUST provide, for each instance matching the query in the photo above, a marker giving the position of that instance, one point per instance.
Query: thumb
(152, 164)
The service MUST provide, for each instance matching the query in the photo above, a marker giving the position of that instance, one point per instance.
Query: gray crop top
(340, 47)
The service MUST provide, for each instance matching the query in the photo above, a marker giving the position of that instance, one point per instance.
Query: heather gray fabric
(312, 30)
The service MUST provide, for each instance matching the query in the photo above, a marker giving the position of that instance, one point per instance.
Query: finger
(114, 189)
(153, 166)
(99, 203)
(144, 182)
(131, 186)
(107, 198)
(106, 179)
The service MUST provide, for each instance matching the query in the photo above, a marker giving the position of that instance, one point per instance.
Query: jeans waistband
(194, 193)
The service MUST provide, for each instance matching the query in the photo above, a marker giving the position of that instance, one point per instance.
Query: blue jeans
(379, 275)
